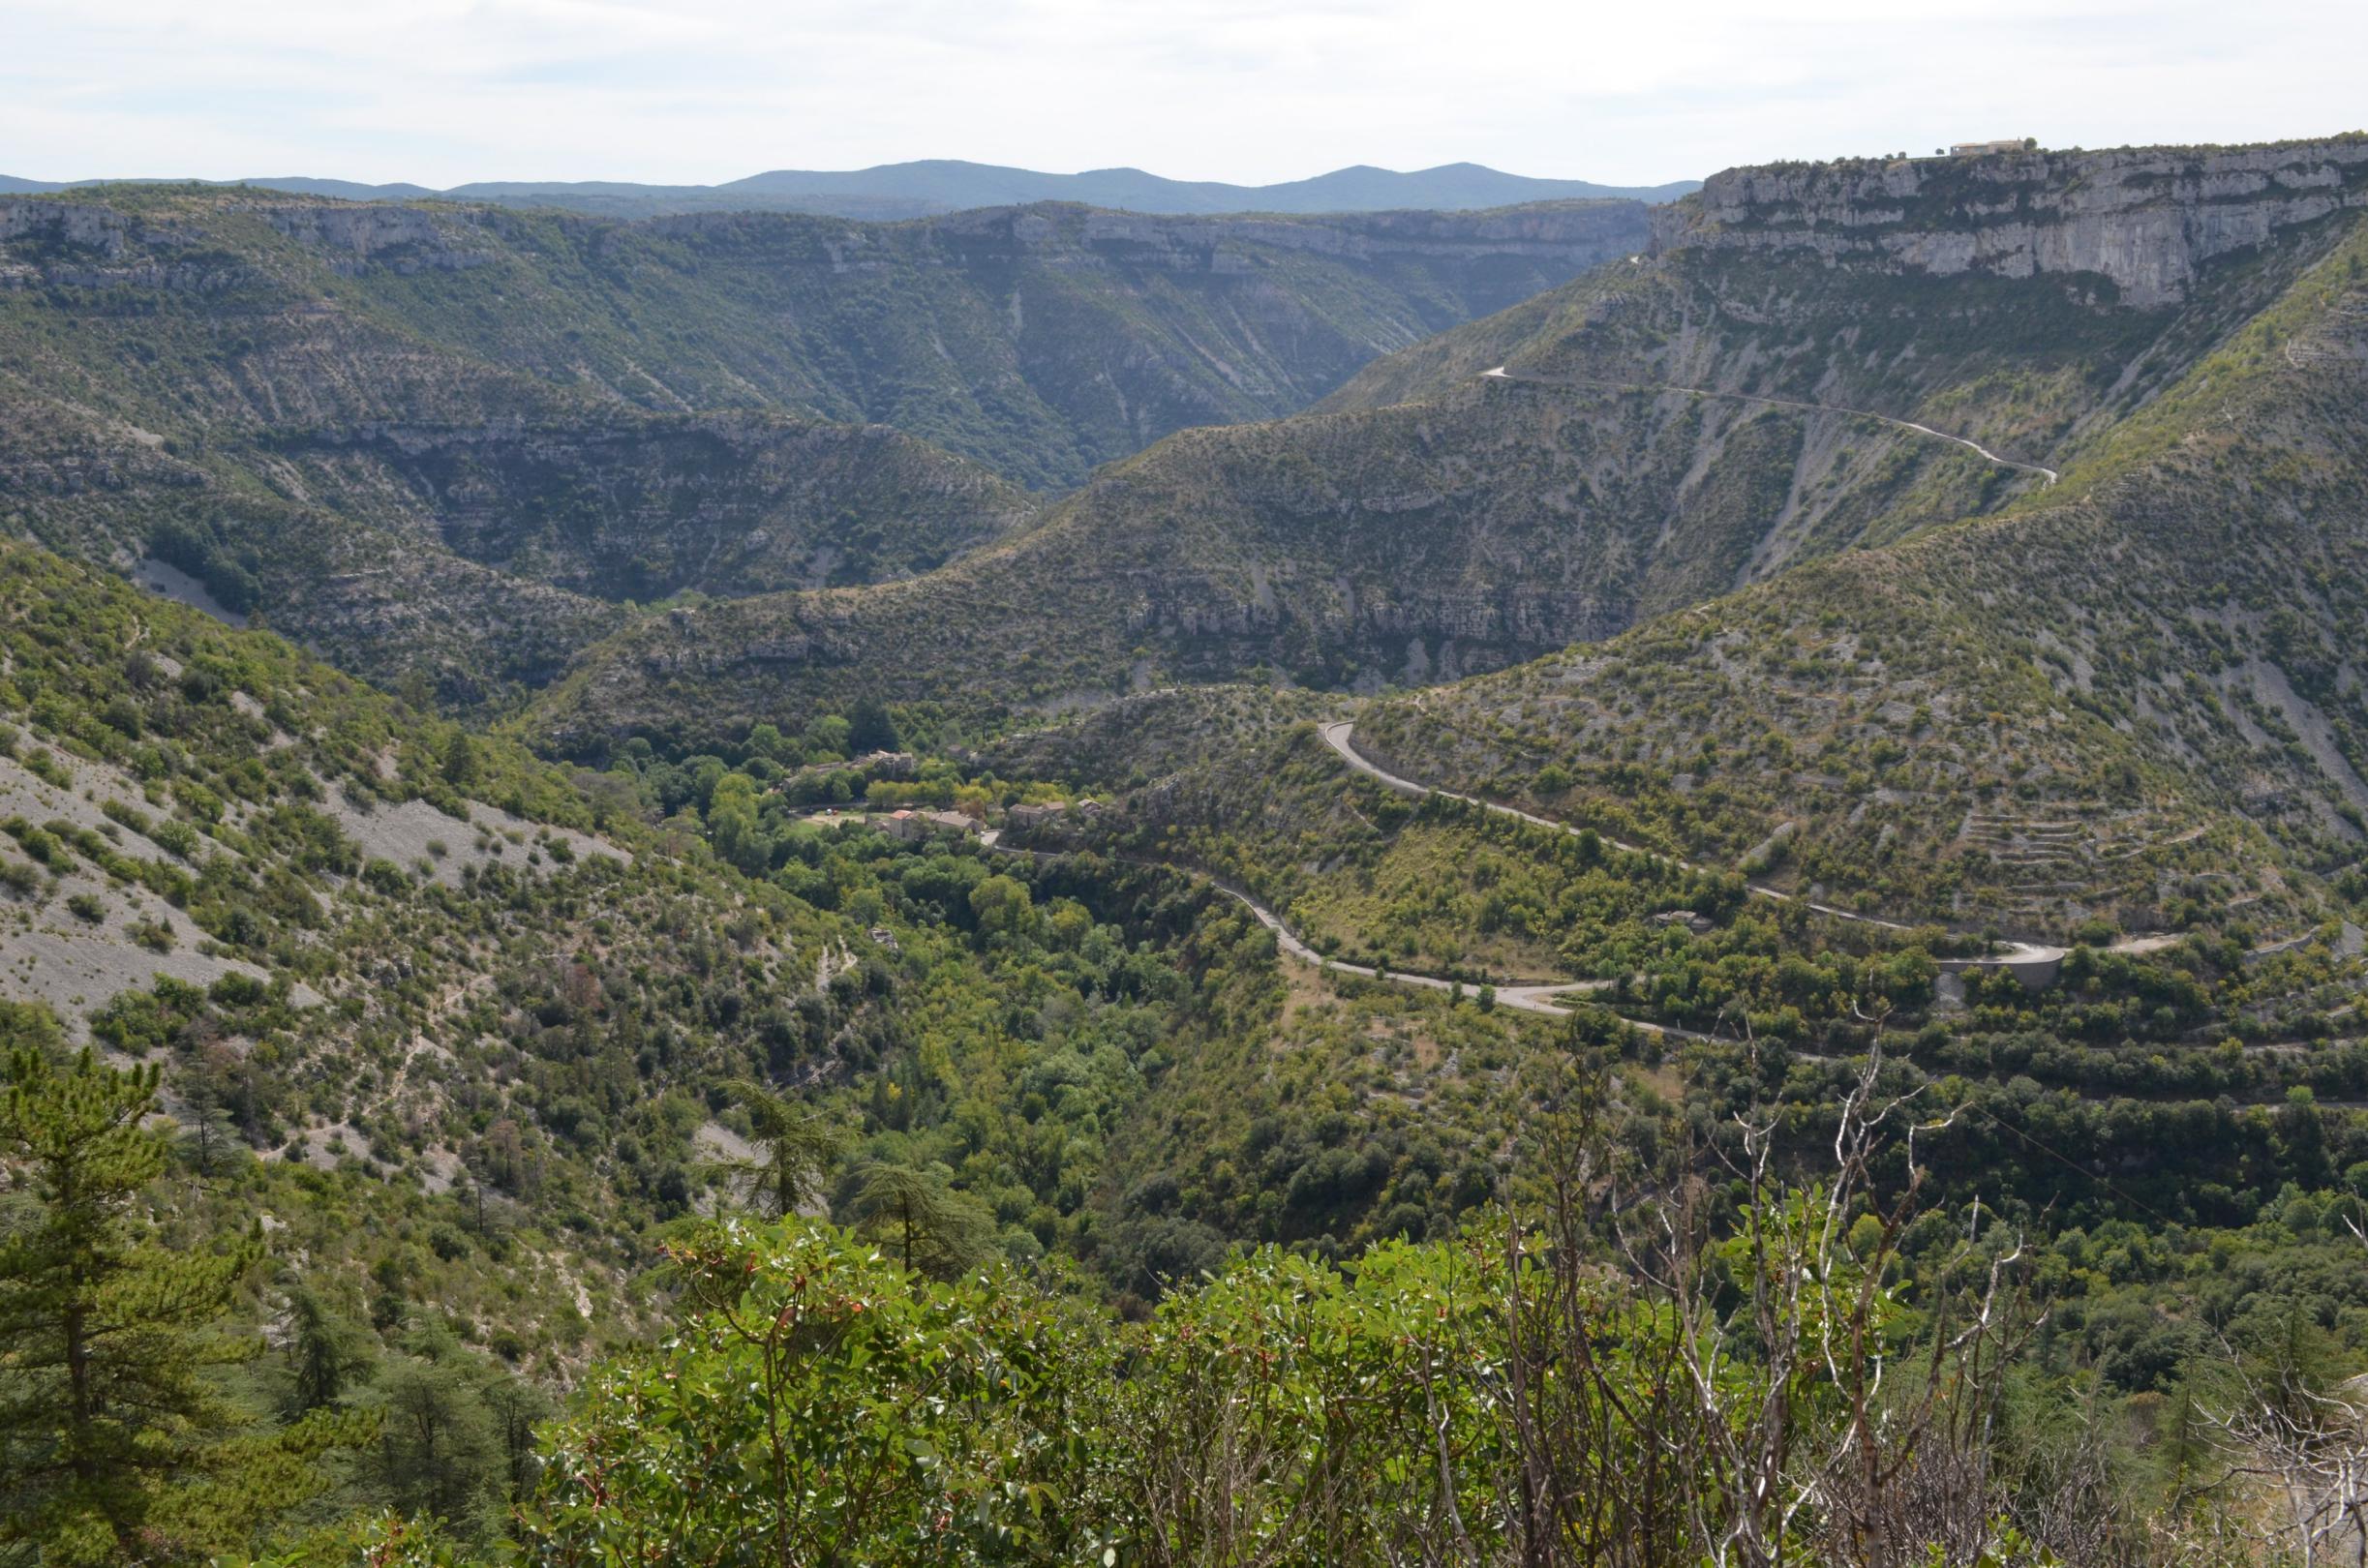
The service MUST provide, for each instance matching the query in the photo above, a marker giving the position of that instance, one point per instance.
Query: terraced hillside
(2132, 694)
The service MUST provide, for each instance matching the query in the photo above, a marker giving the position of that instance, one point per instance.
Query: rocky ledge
(2146, 217)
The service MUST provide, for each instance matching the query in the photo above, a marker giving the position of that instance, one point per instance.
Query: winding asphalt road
(2007, 955)
(1519, 998)
(1526, 379)
(1539, 998)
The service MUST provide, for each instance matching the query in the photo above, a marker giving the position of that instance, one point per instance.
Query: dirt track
(1525, 378)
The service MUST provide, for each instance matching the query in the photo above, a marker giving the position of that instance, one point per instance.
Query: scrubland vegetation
(545, 1107)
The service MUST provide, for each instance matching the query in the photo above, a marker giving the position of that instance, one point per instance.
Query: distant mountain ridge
(1364, 188)
(940, 185)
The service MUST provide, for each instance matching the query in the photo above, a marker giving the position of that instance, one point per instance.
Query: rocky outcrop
(2146, 217)
(81, 225)
(354, 236)
(84, 245)
(91, 245)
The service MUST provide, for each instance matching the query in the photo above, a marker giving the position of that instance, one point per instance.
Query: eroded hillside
(1667, 431)
(456, 440)
(2119, 696)
(1040, 341)
(1769, 849)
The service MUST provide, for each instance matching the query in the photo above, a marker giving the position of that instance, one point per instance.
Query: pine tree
(440, 1453)
(460, 760)
(416, 689)
(797, 1149)
(931, 1228)
(323, 1358)
(209, 1139)
(114, 1444)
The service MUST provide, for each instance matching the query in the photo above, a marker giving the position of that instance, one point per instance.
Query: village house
(1038, 814)
(913, 825)
(951, 821)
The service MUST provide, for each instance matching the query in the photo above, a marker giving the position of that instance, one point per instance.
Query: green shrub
(174, 836)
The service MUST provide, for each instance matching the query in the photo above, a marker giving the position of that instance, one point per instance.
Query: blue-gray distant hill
(947, 184)
(933, 186)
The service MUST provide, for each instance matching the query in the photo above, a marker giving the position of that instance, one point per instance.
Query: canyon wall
(2146, 218)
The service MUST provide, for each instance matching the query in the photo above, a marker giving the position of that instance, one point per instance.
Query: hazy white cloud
(446, 91)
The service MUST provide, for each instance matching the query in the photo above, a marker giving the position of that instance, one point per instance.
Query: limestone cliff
(2146, 217)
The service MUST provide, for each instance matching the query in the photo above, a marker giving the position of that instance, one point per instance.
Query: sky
(441, 92)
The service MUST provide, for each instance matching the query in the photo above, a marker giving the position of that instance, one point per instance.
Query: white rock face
(2146, 217)
(84, 224)
(406, 238)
